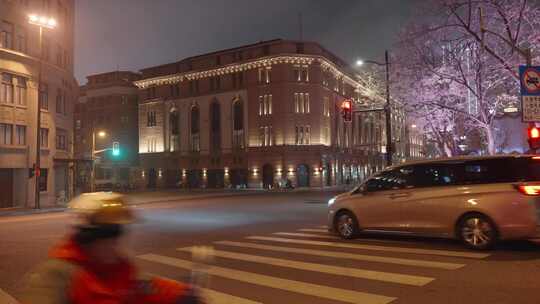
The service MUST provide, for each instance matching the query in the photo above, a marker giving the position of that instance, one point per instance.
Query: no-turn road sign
(530, 93)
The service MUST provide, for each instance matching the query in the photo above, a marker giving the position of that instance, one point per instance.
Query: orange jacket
(73, 278)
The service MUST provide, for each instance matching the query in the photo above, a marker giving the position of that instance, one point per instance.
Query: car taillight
(529, 189)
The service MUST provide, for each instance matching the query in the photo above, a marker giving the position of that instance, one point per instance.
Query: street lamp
(387, 108)
(100, 134)
(50, 23)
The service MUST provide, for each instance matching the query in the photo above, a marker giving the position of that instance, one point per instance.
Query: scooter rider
(88, 266)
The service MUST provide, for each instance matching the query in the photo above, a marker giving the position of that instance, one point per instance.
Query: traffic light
(116, 149)
(346, 110)
(534, 138)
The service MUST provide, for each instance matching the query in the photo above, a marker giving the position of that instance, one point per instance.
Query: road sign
(530, 93)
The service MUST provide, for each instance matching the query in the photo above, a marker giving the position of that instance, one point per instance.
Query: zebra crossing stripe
(215, 297)
(321, 291)
(313, 230)
(317, 236)
(343, 255)
(459, 254)
(389, 277)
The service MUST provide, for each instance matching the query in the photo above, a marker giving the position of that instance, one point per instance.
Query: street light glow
(51, 22)
(102, 133)
(359, 62)
(42, 21)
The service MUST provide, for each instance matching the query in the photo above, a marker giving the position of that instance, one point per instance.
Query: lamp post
(101, 134)
(50, 23)
(387, 107)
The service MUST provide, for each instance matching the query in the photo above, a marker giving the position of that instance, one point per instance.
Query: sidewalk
(138, 198)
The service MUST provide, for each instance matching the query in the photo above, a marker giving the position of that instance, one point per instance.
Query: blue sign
(530, 80)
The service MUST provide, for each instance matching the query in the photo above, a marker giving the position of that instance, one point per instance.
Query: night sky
(134, 34)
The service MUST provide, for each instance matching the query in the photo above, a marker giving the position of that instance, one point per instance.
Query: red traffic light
(346, 105)
(534, 132)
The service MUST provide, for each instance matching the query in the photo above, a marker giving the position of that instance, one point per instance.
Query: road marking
(5, 298)
(314, 230)
(214, 297)
(317, 236)
(448, 253)
(335, 270)
(334, 294)
(342, 255)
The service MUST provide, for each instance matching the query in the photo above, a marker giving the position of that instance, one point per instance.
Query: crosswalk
(288, 261)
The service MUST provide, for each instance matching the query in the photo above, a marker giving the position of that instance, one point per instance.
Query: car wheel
(347, 225)
(477, 231)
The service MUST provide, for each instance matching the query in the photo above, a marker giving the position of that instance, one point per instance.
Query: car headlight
(331, 201)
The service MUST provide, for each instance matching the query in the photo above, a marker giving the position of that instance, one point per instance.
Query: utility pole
(388, 113)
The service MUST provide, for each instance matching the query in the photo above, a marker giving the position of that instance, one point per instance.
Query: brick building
(19, 69)
(252, 116)
(107, 105)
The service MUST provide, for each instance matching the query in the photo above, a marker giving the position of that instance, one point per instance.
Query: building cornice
(248, 65)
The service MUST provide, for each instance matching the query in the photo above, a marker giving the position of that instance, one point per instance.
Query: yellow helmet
(102, 208)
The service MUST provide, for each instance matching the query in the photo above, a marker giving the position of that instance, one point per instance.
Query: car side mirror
(360, 190)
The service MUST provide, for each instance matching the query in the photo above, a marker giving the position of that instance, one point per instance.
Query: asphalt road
(273, 248)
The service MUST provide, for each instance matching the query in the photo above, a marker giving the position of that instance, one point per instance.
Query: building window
(215, 126)
(301, 73)
(20, 43)
(238, 79)
(265, 105)
(265, 75)
(59, 101)
(174, 126)
(151, 120)
(61, 139)
(301, 103)
(326, 106)
(151, 93)
(6, 134)
(300, 48)
(43, 176)
(59, 53)
(238, 124)
(215, 83)
(78, 124)
(44, 138)
(325, 77)
(151, 144)
(303, 135)
(195, 129)
(44, 96)
(124, 119)
(20, 91)
(194, 87)
(265, 136)
(6, 90)
(6, 35)
(20, 135)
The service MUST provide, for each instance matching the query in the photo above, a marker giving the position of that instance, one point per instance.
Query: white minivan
(478, 200)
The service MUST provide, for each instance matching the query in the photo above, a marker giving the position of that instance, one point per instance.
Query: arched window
(238, 124)
(195, 129)
(174, 126)
(215, 125)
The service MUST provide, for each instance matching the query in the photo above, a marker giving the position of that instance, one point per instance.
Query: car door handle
(398, 195)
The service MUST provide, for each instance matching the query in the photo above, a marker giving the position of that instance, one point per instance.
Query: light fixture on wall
(142, 173)
(204, 171)
(160, 173)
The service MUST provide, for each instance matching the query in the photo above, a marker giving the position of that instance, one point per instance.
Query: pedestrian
(89, 268)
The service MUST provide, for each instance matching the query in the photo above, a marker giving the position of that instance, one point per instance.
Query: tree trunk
(490, 137)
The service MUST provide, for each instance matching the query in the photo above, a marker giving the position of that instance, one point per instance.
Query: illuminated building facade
(252, 116)
(19, 70)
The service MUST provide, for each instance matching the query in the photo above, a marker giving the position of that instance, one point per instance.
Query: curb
(28, 211)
